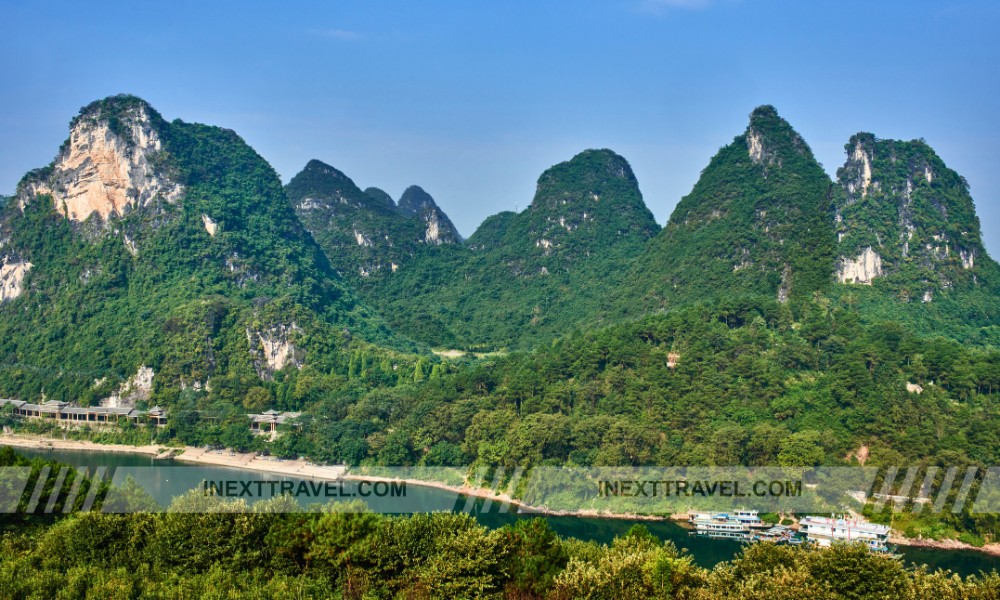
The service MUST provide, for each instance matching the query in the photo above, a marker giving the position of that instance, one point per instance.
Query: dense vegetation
(227, 550)
(192, 306)
(757, 223)
(364, 232)
(917, 215)
(729, 384)
(523, 279)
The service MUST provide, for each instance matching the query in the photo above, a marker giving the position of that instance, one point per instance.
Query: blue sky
(473, 101)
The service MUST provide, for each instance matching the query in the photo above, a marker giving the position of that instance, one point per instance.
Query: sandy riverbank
(188, 454)
(504, 498)
(38, 442)
(267, 464)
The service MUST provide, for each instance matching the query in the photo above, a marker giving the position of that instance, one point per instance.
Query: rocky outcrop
(107, 167)
(863, 269)
(755, 146)
(273, 349)
(863, 164)
(433, 233)
(136, 388)
(210, 225)
(12, 273)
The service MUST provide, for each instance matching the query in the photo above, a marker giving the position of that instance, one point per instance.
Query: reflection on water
(173, 479)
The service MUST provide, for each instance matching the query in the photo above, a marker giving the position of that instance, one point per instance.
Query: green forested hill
(366, 233)
(730, 383)
(168, 245)
(910, 242)
(528, 277)
(758, 222)
(896, 237)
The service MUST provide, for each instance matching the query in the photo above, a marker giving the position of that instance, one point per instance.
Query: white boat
(825, 531)
(750, 517)
(720, 525)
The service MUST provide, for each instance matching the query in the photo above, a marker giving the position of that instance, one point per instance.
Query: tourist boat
(750, 517)
(826, 531)
(720, 525)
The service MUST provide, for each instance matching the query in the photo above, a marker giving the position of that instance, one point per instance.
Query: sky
(472, 101)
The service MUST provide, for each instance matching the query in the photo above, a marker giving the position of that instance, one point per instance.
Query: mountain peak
(319, 184)
(581, 177)
(756, 222)
(902, 214)
(588, 203)
(318, 167)
(592, 164)
(380, 197)
(415, 200)
(121, 106)
(771, 139)
(110, 164)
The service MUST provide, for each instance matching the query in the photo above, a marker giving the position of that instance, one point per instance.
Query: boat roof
(855, 524)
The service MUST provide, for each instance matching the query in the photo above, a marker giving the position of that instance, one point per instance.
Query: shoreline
(302, 468)
(992, 549)
(41, 442)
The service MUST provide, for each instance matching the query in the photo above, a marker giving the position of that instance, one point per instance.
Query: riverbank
(302, 468)
(504, 498)
(188, 454)
(990, 549)
(39, 442)
(295, 468)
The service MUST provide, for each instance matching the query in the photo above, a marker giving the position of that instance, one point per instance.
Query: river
(173, 478)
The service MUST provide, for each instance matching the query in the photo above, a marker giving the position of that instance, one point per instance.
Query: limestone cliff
(273, 348)
(109, 165)
(135, 388)
(156, 243)
(12, 273)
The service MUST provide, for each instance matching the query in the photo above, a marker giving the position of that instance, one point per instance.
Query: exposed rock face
(138, 387)
(130, 245)
(785, 289)
(863, 164)
(107, 168)
(968, 258)
(273, 349)
(433, 233)
(210, 225)
(863, 269)
(755, 146)
(12, 273)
